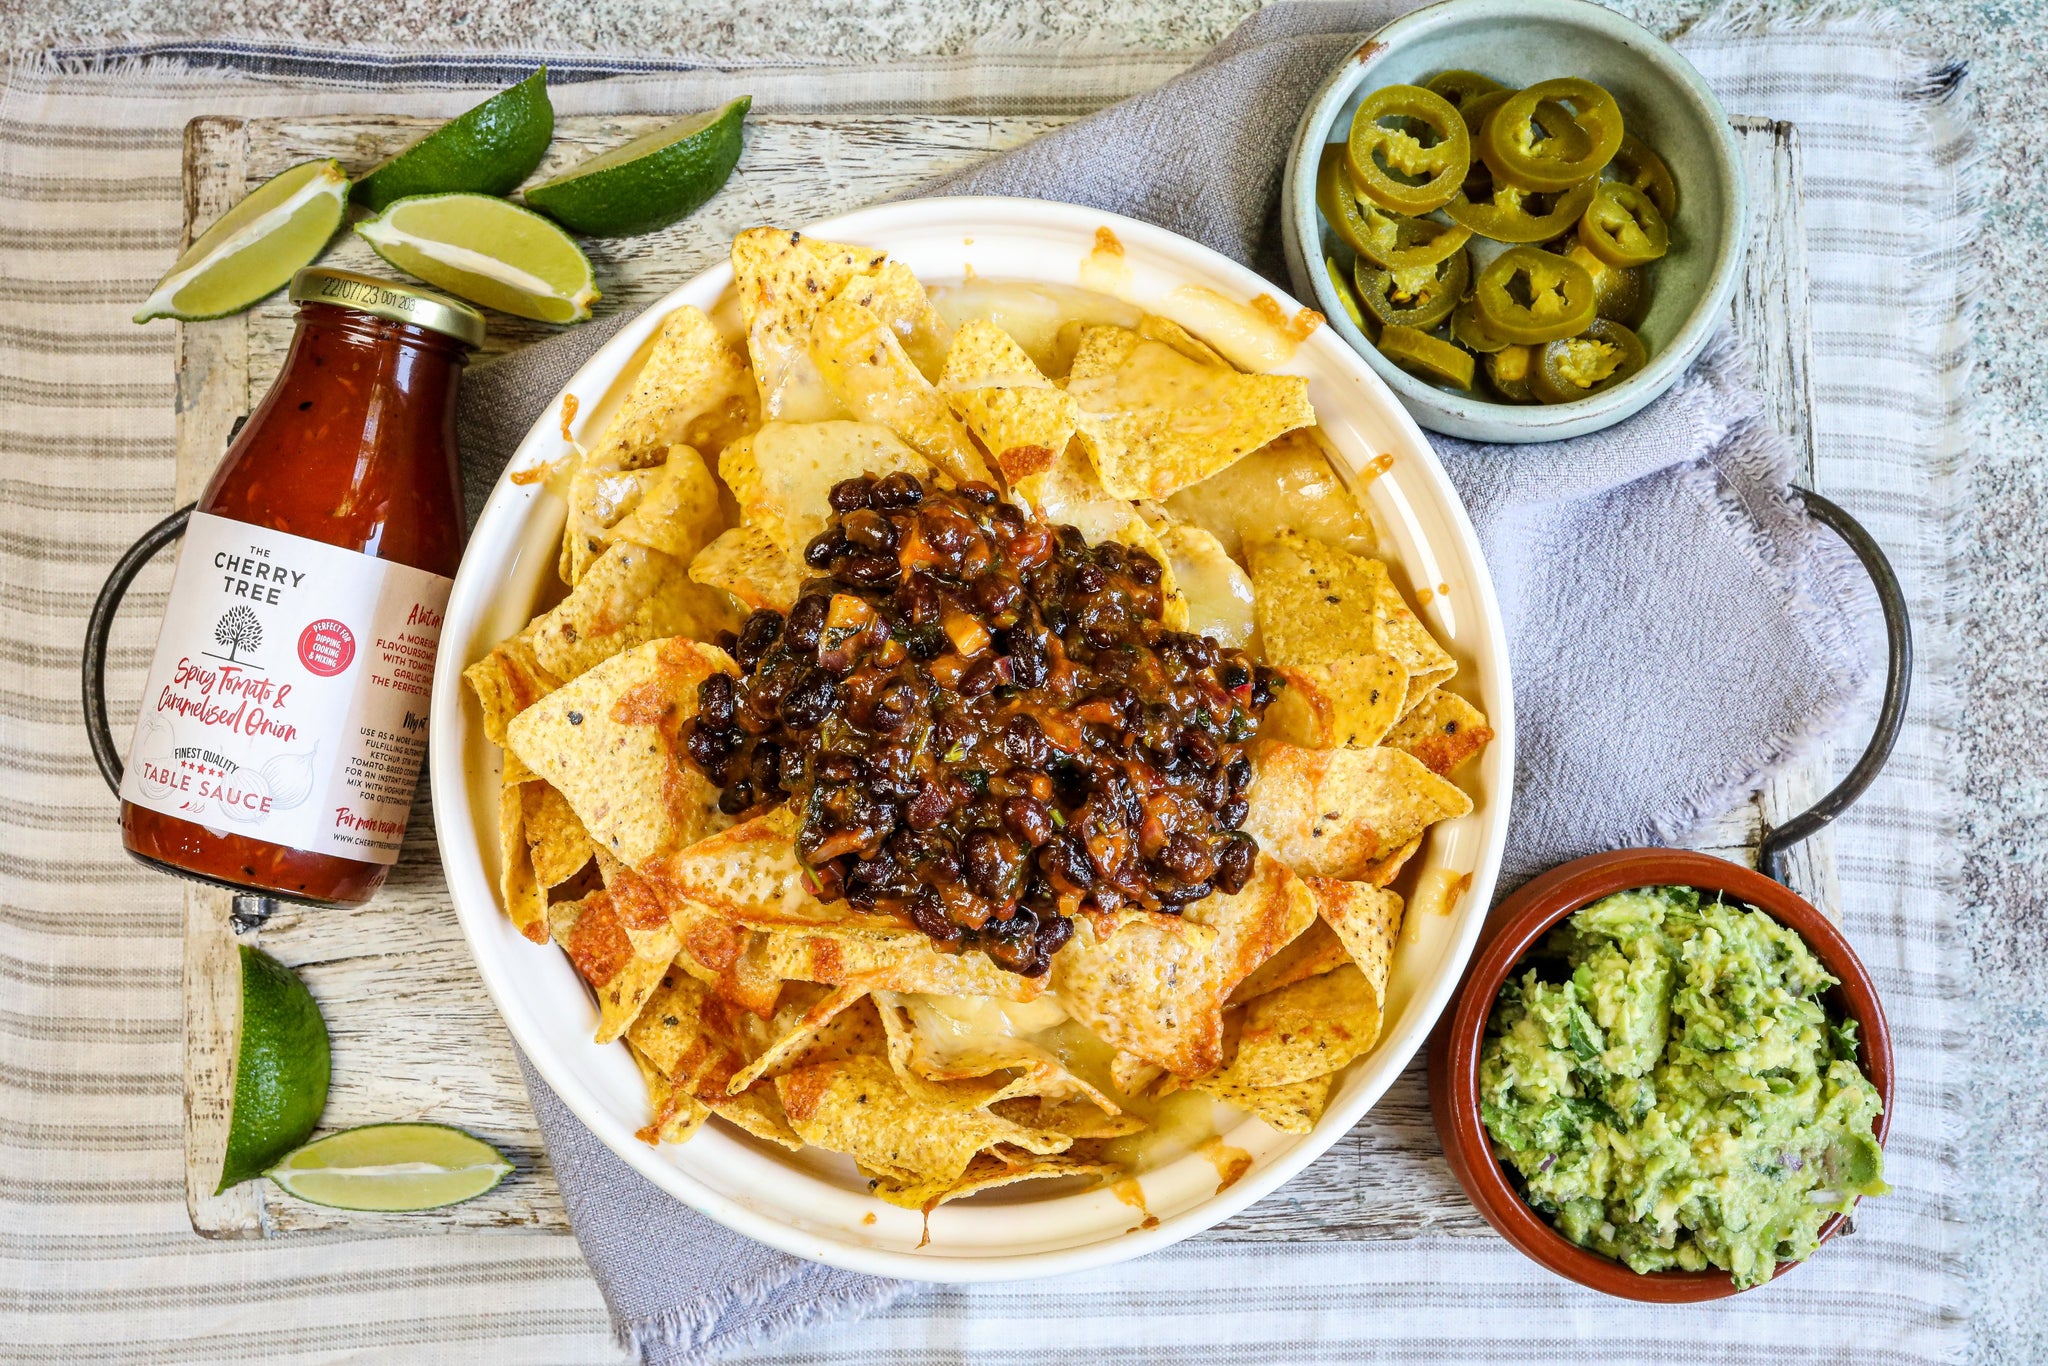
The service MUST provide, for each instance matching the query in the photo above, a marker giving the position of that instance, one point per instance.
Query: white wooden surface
(415, 1036)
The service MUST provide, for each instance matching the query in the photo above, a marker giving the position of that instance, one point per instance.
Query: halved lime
(652, 181)
(489, 150)
(392, 1168)
(487, 250)
(281, 1069)
(255, 247)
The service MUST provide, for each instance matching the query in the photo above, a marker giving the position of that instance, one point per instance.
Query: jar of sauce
(282, 729)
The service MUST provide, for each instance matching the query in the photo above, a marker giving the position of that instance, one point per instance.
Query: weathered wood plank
(414, 1034)
(212, 391)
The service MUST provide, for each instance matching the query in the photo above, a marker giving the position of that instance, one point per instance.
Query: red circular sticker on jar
(326, 647)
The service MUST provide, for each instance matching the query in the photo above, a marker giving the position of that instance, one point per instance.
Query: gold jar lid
(384, 299)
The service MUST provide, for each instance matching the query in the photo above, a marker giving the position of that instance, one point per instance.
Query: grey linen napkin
(1677, 626)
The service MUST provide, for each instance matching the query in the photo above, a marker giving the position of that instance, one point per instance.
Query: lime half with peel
(487, 250)
(281, 1069)
(392, 1168)
(255, 247)
(656, 179)
(488, 150)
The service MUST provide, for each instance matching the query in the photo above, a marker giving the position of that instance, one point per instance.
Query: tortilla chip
(751, 567)
(1253, 924)
(610, 742)
(1443, 731)
(1316, 950)
(892, 960)
(1292, 1108)
(513, 770)
(867, 370)
(929, 1043)
(525, 898)
(1310, 1029)
(726, 957)
(1081, 1119)
(1368, 921)
(1334, 812)
(758, 1112)
(555, 838)
(1382, 871)
(1321, 605)
(783, 474)
(1153, 327)
(783, 278)
(1132, 1075)
(1351, 703)
(991, 1169)
(796, 1037)
(1149, 986)
(1019, 415)
(913, 1148)
(690, 375)
(677, 512)
(623, 962)
(630, 596)
(894, 295)
(1154, 422)
(507, 681)
(677, 1117)
(1216, 592)
(751, 875)
(692, 1038)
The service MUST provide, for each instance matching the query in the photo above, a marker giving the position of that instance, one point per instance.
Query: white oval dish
(813, 1204)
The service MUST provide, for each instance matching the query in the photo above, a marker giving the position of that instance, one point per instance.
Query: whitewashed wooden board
(415, 1036)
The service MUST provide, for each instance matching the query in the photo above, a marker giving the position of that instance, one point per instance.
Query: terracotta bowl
(1520, 923)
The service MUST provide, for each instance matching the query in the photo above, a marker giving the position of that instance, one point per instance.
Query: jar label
(287, 698)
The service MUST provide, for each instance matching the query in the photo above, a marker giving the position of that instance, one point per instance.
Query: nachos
(937, 753)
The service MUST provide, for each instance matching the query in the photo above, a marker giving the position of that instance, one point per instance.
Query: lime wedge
(281, 1069)
(652, 181)
(255, 247)
(489, 150)
(392, 1168)
(488, 251)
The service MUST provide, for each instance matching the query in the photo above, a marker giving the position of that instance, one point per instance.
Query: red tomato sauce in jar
(282, 729)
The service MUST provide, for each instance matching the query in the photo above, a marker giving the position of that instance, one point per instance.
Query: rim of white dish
(1033, 234)
(1455, 414)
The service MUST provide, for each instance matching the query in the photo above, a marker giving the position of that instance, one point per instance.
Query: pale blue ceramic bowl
(1663, 100)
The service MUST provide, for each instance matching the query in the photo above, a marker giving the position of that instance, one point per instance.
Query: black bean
(930, 807)
(1186, 894)
(898, 490)
(736, 798)
(839, 768)
(981, 854)
(917, 598)
(814, 697)
(1028, 819)
(848, 495)
(1089, 578)
(763, 628)
(893, 707)
(820, 550)
(996, 595)
(1142, 568)
(807, 622)
(1023, 740)
(928, 913)
(1234, 865)
(714, 700)
(1030, 664)
(980, 679)
(1187, 858)
(974, 491)
(1065, 858)
(1239, 771)
(1233, 814)
(867, 529)
(705, 745)
(867, 568)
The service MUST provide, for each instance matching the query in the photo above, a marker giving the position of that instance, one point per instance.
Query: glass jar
(282, 729)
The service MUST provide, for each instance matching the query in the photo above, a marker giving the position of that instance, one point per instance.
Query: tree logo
(237, 630)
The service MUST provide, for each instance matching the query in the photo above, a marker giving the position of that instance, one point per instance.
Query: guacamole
(1671, 1091)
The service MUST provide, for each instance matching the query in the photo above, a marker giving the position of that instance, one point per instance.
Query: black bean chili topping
(985, 725)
